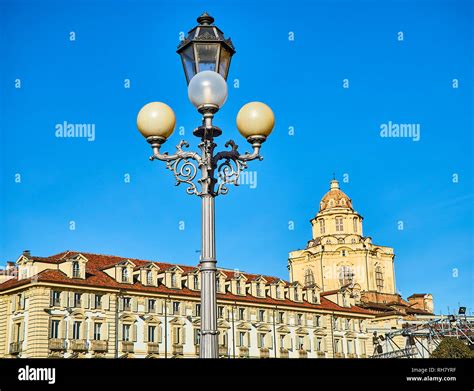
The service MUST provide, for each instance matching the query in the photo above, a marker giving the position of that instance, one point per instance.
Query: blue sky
(336, 129)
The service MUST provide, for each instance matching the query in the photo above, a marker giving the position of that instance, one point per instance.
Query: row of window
(339, 224)
(76, 301)
(77, 330)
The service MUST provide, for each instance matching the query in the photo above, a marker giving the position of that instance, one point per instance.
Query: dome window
(322, 227)
(339, 224)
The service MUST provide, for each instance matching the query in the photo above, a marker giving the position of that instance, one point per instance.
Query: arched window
(124, 274)
(339, 224)
(346, 275)
(354, 221)
(322, 228)
(196, 281)
(308, 277)
(379, 278)
(75, 269)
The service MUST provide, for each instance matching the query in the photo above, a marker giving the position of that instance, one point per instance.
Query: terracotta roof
(96, 277)
(337, 196)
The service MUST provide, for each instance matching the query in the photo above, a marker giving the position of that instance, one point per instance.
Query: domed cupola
(335, 198)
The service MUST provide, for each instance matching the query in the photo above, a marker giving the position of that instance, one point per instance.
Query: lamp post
(206, 56)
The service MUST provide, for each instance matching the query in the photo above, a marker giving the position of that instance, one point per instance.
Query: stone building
(341, 290)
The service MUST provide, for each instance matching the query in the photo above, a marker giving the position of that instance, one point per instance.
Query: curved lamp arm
(184, 170)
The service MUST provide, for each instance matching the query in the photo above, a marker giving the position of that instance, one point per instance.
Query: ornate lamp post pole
(206, 56)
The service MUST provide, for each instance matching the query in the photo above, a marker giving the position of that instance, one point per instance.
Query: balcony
(223, 351)
(177, 350)
(243, 352)
(264, 353)
(284, 353)
(321, 354)
(363, 355)
(153, 348)
(302, 353)
(197, 350)
(99, 346)
(127, 346)
(351, 355)
(15, 347)
(57, 344)
(78, 345)
(338, 355)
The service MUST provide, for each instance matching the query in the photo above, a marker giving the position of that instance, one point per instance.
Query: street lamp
(206, 69)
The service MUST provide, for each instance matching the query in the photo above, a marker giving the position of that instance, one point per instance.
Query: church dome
(335, 198)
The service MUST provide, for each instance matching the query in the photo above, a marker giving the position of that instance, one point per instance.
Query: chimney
(27, 253)
(10, 265)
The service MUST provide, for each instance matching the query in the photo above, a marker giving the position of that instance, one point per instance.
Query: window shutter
(92, 300)
(63, 299)
(69, 327)
(307, 343)
(134, 333)
(170, 308)
(259, 340)
(23, 300)
(21, 336)
(120, 300)
(134, 304)
(183, 333)
(220, 338)
(85, 330)
(238, 339)
(194, 310)
(247, 337)
(159, 306)
(62, 329)
(85, 300)
(145, 332)
(158, 329)
(182, 309)
(106, 302)
(104, 335)
(120, 331)
(51, 299)
(90, 326)
(70, 299)
(269, 341)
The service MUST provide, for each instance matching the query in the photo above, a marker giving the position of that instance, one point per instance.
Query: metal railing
(153, 348)
(177, 350)
(302, 353)
(127, 346)
(243, 352)
(15, 347)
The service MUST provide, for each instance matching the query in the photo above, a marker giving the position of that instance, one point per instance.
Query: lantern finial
(205, 19)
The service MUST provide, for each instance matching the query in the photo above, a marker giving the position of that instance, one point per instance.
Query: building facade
(87, 305)
(341, 293)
